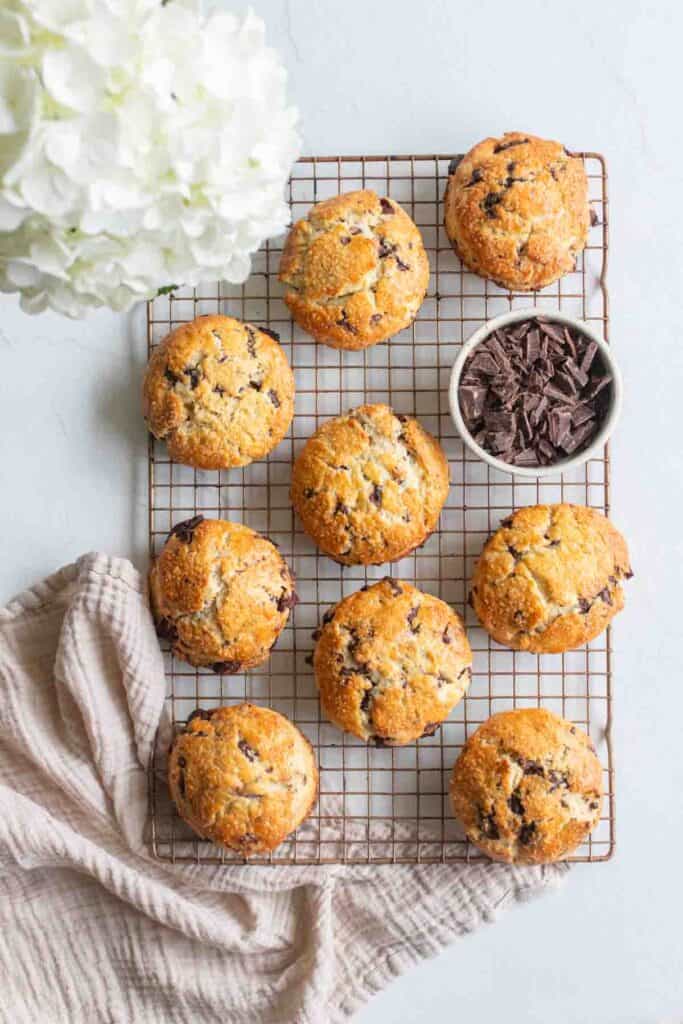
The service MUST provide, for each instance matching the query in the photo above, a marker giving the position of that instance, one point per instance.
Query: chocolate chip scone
(516, 210)
(369, 486)
(221, 594)
(549, 579)
(219, 392)
(527, 787)
(242, 776)
(355, 270)
(391, 663)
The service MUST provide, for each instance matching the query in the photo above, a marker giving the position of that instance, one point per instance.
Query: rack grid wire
(385, 804)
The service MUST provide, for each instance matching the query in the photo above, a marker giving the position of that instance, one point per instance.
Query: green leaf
(167, 289)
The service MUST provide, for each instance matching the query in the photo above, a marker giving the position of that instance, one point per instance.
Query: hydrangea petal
(73, 79)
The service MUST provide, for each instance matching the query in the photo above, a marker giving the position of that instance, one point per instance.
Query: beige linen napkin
(95, 930)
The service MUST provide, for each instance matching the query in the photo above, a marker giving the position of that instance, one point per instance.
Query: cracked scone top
(221, 594)
(391, 663)
(527, 787)
(516, 210)
(219, 392)
(242, 776)
(355, 270)
(549, 579)
(369, 486)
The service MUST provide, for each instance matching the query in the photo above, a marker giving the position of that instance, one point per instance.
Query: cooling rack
(383, 805)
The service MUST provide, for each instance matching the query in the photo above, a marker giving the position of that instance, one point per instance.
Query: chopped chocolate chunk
(584, 605)
(170, 376)
(366, 698)
(445, 636)
(273, 396)
(508, 145)
(226, 668)
(219, 390)
(557, 779)
(429, 729)
(199, 713)
(193, 373)
(594, 218)
(345, 239)
(249, 752)
(287, 600)
(271, 334)
(589, 355)
(251, 340)
(605, 596)
(166, 630)
(255, 384)
(387, 207)
(395, 588)
(515, 804)
(489, 826)
(400, 264)
(491, 200)
(375, 318)
(346, 323)
(453, 165)
(185, 531)
(376, 496)
(477, 175)
(527, 833)
(411, 616)
(472, 401)
(534, 393)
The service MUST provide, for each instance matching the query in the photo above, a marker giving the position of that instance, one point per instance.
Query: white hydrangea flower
(143, 144)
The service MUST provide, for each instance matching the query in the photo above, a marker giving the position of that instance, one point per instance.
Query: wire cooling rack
(383, 805)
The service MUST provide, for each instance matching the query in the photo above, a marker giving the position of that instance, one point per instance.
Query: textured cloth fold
(95, 928)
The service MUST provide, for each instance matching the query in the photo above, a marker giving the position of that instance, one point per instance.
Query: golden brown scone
(221, 594)
(527, 787)
(516, 210)
(549, 579)
(369, 486)
(355, 270)
(391, 663)
(219, 392)
(242, 776)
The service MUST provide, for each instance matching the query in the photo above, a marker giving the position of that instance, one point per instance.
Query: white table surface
(436, 76)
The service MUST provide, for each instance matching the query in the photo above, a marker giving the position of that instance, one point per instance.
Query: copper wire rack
(388, 804)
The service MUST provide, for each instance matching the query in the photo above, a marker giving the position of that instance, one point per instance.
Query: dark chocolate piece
(185, 531)
(226, 668)
(271, 334)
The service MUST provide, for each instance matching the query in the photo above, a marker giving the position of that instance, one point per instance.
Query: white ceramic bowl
(515, 316)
